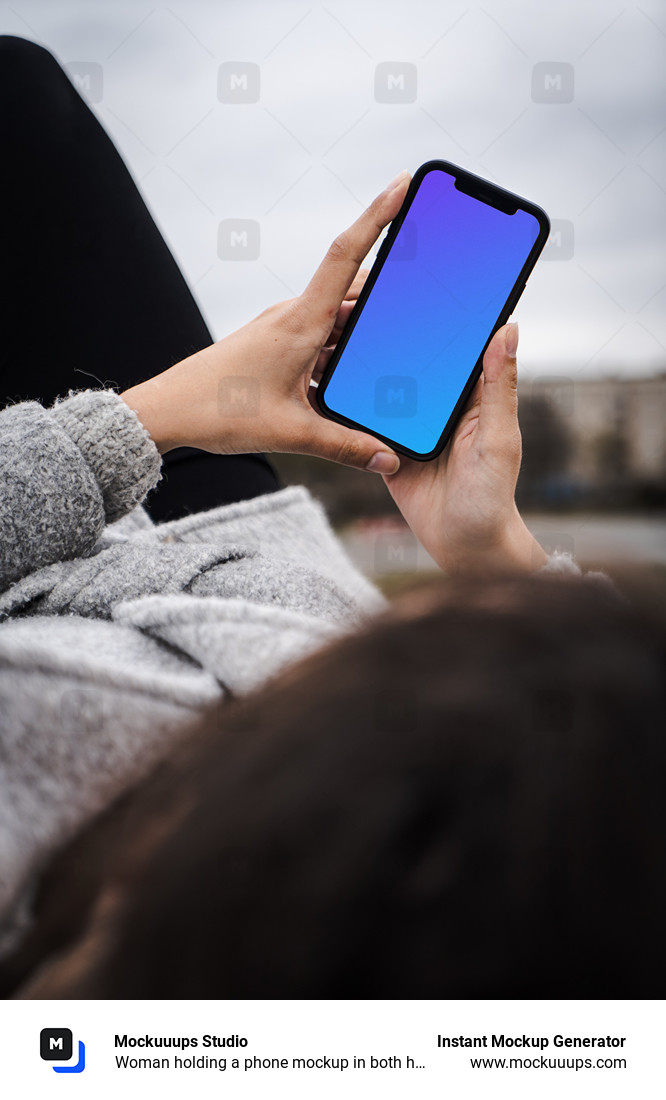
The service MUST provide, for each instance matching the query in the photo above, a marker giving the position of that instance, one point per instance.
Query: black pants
(89, 293)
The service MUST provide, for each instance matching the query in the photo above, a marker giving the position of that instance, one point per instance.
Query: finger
(357, 286)
(326, 439)
(331, 340)
(474, 399)
(337, 271)
(321, 364)
(340, 322)
(498, 408)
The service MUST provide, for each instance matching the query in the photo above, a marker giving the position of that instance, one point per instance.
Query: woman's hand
(461, 505)
(251, 391)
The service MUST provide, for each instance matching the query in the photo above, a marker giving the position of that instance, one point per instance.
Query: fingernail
(398, 180)
(384, 463)
(511, 339)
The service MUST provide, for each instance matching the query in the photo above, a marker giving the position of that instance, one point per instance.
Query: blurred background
(258, 130)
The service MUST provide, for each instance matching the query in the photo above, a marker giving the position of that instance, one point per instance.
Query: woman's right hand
(461, 506)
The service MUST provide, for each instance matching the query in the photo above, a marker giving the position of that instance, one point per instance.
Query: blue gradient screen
(424, 325)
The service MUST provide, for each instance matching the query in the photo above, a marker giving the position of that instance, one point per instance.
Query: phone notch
(499, 200)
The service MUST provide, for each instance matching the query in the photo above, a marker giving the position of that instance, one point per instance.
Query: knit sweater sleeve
(65, 472)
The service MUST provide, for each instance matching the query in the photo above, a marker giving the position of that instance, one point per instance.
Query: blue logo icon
(56, 1045)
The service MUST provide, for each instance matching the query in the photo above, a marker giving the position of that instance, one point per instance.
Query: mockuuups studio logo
(56, 1045)
(238, 239)
(86, 77)
(238, 82)
(395, 552)
(560, 245)
(395, 395)
(557, 392)
(404, 246)
(552, 82)
(238, 395)
(395, 82)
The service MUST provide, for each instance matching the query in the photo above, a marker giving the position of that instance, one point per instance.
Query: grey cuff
(114, 443)
(561, 565)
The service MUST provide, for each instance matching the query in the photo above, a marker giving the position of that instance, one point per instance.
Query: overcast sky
(563, 103)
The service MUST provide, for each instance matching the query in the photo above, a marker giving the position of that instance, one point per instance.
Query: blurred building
(583, 435)
(592, 443)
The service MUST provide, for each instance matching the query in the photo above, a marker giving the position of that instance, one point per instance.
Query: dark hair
(466, 800)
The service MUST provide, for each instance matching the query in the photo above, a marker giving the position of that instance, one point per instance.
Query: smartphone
(450, 270)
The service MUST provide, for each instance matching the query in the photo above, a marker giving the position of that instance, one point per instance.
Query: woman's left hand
(251, 391)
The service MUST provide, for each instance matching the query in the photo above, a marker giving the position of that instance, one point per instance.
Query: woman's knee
(32, 79)
(22, 60)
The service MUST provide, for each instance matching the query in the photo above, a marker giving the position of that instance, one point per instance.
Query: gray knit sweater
(114, 632)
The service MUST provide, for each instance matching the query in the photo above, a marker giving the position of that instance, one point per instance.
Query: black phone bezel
(484, 191)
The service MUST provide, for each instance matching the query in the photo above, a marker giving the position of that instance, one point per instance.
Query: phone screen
(430, 313)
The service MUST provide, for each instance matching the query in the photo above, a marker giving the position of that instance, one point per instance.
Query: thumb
(498, 410)
(335, 274)
(349, 448)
